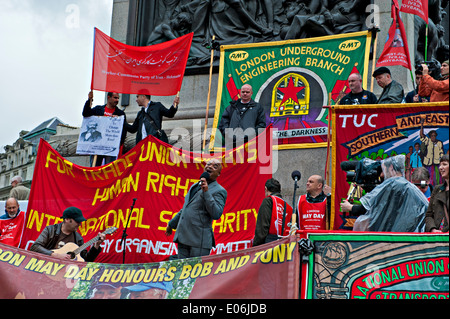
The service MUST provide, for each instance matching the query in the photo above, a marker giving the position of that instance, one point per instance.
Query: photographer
(395, 205)
(436, 89)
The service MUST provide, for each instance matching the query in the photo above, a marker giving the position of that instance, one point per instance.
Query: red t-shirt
(108, 111)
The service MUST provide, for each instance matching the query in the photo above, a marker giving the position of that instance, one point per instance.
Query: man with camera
(436, 89)
(395, 205)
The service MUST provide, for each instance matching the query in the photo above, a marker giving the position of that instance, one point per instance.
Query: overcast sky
(46, 50)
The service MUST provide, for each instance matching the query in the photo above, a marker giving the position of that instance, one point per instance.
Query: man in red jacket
(436, 89)
(273, 216)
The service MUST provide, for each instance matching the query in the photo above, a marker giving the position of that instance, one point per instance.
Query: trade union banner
(152, 70)
(268, 271)
(377, 266)
(158, 176)
(293, 80)
(380, 131)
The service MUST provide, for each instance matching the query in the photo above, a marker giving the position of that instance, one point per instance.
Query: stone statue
(437, 49)
(251, 21)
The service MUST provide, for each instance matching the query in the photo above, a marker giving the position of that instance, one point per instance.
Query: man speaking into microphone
(203, 203)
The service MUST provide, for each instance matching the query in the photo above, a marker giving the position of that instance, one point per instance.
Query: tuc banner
(158, 176)
(269, 271)
(378, 266)
(380, 131)
(293, 80)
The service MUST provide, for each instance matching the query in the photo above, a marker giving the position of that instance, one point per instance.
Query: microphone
(204, 175)
(296, 176)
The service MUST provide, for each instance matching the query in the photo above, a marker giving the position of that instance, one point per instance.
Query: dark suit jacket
(194, 221)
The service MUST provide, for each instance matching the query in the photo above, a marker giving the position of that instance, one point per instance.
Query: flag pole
(426, 42)
(374, 54)
(94, 160)
(209, 94)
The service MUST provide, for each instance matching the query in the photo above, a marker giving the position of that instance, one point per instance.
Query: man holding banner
(109, 109)
(149, 119)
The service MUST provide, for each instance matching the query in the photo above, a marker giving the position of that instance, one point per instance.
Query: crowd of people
(394, 205)
(427, 88)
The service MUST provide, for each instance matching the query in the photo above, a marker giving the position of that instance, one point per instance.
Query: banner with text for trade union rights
(379, 131)
(377, 266)
(293, 80)
(269, 271)
(158, 176)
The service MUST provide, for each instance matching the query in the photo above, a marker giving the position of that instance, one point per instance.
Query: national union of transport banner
(293, 80)
(152, 70)
(158, 176)
(268, 271)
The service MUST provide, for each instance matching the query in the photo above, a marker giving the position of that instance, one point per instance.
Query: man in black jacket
(149, 119)
(109, 109)
(55, 236)
(242, 118)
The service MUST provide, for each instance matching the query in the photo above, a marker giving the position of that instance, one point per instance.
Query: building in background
(19, 158)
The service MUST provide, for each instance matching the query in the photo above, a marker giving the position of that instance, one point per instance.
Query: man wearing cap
(55, 236)
(392, 90)
(204, 203)
(151, 290)
(274, 215)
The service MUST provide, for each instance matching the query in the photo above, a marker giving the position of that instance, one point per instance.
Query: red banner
(417, 7)
(395, 50)
(269, 271)
(159, 177)
(151, 70)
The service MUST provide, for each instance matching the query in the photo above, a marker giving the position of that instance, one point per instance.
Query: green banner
(293, 80)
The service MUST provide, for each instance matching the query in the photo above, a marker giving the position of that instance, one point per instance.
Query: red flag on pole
(153, 70)
(395, 50)
(417, 7)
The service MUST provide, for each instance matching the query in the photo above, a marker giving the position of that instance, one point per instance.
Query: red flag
(417, 7)
(395, 50)
(152, 70)
(233, 90)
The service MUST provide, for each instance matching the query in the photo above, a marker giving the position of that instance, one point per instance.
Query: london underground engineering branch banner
(380, 131)
(377, 266)
(269, 271)
(158, 176)
(293, 80)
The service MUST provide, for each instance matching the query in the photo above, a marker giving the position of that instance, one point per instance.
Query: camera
(365, 173)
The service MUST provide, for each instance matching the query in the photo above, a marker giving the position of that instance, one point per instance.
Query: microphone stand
(124, 234)
(294, 201)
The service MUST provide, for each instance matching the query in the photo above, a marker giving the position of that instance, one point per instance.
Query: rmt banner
(293, 80)
(158, 176)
